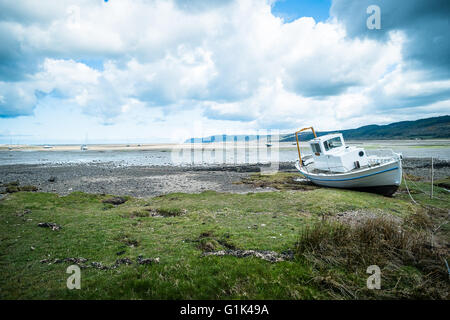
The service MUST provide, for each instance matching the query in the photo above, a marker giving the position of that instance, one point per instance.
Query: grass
(177, 228)
(421, 191)
(444, 183)
(338, 252)
(279, 181)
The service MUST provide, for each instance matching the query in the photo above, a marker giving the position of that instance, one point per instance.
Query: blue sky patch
(96, 64)
(291, 10)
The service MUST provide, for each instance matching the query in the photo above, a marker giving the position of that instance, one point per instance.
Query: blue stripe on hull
(347, 179)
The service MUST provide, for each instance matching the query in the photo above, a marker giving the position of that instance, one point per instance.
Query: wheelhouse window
(315, 148)
(332, 143)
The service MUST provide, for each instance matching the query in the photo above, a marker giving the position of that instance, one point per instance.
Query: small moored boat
(334, 164)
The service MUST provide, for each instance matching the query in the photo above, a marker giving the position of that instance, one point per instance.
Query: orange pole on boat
(298, 145)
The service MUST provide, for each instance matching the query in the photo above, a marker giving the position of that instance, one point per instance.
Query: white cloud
(228, 62)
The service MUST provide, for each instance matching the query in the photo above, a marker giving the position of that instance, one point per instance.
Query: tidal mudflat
(143, 181)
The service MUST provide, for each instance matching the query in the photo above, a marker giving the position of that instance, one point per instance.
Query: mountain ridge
(427, 128)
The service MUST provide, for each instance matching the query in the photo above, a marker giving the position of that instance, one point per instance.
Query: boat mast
(298, 146)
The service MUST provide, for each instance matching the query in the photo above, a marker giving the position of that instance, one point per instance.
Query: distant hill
(429, 128)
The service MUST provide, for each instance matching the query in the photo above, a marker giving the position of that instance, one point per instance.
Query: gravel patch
(137, 181)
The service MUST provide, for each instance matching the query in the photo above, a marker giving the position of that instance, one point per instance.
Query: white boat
(83, 147)
(334, 164)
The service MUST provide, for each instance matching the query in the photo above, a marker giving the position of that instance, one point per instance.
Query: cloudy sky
(158, 71)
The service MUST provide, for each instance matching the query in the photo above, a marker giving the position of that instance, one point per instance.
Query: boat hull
(383, 179)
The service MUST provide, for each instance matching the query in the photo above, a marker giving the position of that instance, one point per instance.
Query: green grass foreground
(178, 228)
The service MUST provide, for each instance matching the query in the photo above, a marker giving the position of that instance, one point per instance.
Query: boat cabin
(330, 153)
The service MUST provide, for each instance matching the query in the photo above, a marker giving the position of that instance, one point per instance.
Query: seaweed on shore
(279, 181)
(14, 186)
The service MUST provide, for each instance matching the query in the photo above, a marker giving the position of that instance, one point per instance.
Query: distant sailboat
(84, 146)
(269, 141)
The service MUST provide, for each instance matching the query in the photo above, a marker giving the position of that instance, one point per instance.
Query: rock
(25, 212)
(75, 260)
(115, 200)
(80, 261)
(99, 265)
(271, 256)
(125, 261)
(141, 260)
(53, 226)
(71, 260)
(52, 179)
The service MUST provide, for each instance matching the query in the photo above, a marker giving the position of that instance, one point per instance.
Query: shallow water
(205, 157)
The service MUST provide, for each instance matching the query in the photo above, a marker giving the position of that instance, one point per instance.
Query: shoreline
(155, 180)
(211, 145)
